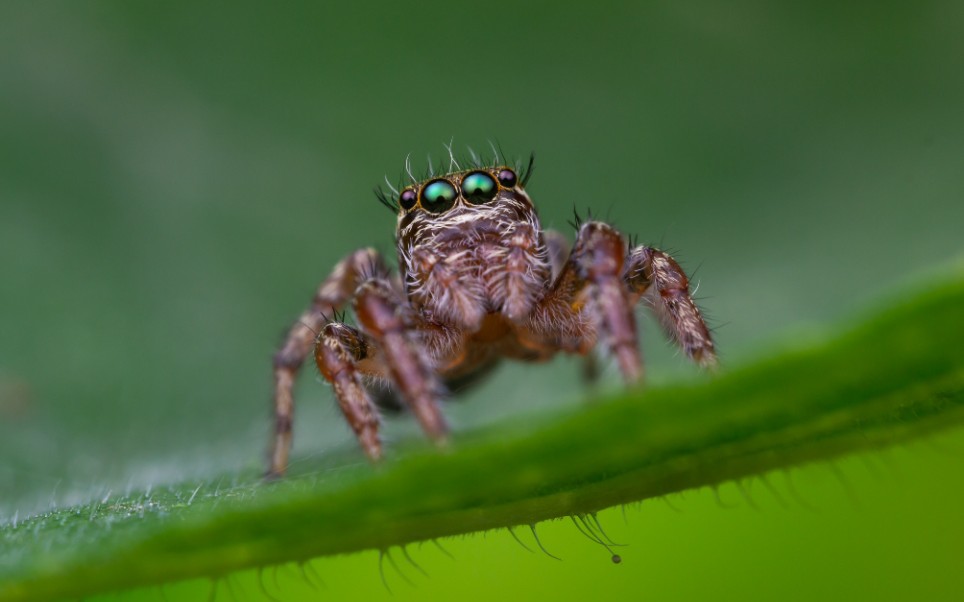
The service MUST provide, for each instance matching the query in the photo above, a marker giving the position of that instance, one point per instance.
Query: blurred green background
(175, 179)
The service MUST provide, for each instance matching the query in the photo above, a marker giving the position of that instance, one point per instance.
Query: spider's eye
(438, 195)
(507, 178)
(407, 199)
(478, 187)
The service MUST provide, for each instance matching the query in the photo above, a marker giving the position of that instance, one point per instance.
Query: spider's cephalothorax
(479, 281)
(471, 246)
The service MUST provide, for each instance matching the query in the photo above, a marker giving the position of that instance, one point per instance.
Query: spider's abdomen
(471, 261)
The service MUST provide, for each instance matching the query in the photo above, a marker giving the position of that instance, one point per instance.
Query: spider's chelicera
(479, 280)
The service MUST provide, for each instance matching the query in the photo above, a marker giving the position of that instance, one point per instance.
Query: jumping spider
(479, 280)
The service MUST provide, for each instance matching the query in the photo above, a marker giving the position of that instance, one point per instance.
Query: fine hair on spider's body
(479, 280)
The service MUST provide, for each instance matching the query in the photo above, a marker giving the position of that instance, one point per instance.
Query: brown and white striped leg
(656, 274)
(393, 327)
(331, 296)
(591, 282)
(341, 353)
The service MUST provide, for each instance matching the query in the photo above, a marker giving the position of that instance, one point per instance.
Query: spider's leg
(330, 297)
(590, 297)
(597, 260)
(394, 327)
(340, 353)
(446, 349)
(653, 273)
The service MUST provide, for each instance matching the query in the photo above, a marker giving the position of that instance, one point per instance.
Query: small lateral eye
(407, 199)
(478, 187)
(507, 178)
(438, 195)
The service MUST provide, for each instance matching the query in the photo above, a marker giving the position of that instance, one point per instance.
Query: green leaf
(894, 376)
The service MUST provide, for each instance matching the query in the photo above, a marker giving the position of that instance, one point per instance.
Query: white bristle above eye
(390, 187)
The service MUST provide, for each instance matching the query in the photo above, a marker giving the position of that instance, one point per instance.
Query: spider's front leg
(388, 346)
(331, 296)
(653, 273)
(590, 297)
(592, 279)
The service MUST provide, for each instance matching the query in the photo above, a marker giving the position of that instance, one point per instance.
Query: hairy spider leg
(339, 353)
(330, 297)
(594, 272)
(652, 273)
(394, 330)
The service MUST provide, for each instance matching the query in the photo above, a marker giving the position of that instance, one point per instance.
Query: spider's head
(456, 229)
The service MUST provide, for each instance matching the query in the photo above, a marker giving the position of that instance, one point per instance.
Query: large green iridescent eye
(438, 195)
(479, 187)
